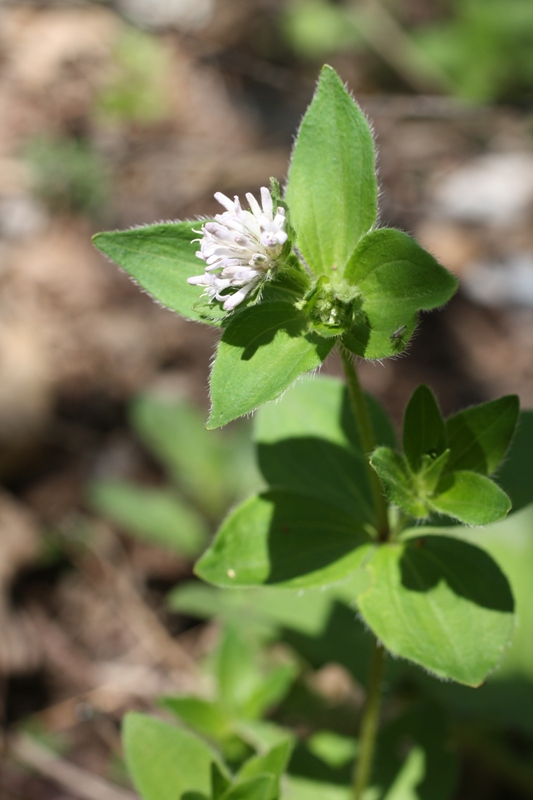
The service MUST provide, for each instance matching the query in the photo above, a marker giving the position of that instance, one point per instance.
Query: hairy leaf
(441, 603)
(332, 188)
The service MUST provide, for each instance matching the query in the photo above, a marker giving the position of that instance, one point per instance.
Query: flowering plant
(240, 248)
(287, 282)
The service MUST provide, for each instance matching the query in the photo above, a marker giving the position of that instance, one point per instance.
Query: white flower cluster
(239, 248)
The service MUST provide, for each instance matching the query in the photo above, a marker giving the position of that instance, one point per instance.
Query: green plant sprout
(69, 175)
(136, 91)
(345, 510)
(207, 472)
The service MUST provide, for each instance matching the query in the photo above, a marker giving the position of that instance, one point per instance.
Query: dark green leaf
(394, 474)
(259, 788)
(219, 782)
(165, 761)
(261, 353)
(479, 436)
(318, 453)
(332, 188)
(160, 258)
(441, 603)
(398, 278)
(471, 498)
(155, 515)
(516, 473)
(424, 432)
(286, 539)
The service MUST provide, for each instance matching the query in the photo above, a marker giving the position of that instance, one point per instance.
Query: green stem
(368, 442)
(369, 726)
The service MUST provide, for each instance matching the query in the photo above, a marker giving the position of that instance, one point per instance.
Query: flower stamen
(240, 248)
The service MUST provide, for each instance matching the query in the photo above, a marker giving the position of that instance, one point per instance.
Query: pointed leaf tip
(160, 258)
(341, 181)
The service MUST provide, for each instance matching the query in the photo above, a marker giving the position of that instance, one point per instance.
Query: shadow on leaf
(257, 326)
(469, 571)
(309, 536)
(315, 467)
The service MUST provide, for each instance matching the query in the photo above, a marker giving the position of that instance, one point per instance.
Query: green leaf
(516, 473)
(155, 515)
(510, 543)
(236, 669)
(332, 748)
(424, 432)
(328, 415)
(160, 258)
(208, 465)
(263, 734)
(282, 538)
(197, 599)
(194, 796)
(332, 188)
(204, 716)
(318, 453)
(165, 761)
(479, 436)
(260, 788)
(268, 607)
(261, 353)
(273, 763)
(304, 789)
(315, 467)
(441, 603)
(270, 691)
(506, 700)
(470, 498)
(432, 469)
(398, 278)
(219, 782)
(394, 474)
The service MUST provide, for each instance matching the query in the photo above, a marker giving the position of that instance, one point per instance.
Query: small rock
(494, 189)
(184, 14)
(21, 217)
(508, 282)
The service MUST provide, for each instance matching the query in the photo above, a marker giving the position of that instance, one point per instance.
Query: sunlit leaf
(441, 603)
(332, 188)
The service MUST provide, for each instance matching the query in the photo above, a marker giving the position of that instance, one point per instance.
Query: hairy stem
(369, 726)
(368, 442)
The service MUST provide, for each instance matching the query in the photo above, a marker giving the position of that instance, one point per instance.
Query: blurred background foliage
(115, 114)
(478, 50)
